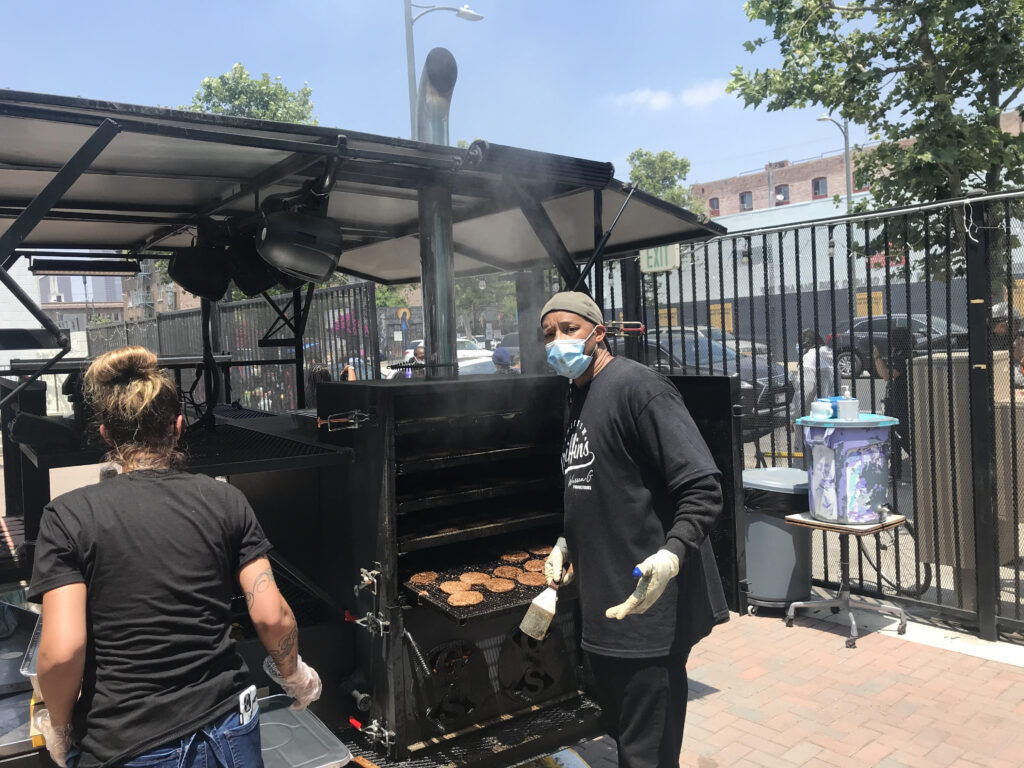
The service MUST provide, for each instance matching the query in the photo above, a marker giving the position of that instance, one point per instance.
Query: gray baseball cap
(576, 302)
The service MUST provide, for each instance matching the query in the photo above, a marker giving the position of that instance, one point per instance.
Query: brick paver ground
(766, 696)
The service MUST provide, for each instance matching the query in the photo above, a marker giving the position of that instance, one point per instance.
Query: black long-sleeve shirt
(638, 478)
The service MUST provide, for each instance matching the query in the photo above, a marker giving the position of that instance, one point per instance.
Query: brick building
(147, 295)
(780, 183)
(784, 183)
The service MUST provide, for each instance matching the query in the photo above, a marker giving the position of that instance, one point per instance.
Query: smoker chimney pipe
(437, 263)
(435, 96)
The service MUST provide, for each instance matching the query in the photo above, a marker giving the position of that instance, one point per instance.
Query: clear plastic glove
(303, 684)
(557, 570)
(58, 737)
(656, 572)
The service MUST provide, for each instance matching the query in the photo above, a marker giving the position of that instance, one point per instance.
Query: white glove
(58, 737)
(657, 570)
(303, 684)
(557, 570)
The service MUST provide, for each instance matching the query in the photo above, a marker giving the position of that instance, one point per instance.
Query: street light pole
(845, 128)
(410, 57)
(465, 13)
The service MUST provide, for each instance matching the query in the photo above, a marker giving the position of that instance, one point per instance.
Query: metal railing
(900, 301)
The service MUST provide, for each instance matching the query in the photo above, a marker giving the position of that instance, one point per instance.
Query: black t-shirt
(631, 449)
(158, 551)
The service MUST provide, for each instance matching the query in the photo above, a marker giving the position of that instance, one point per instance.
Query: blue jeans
(222, 744)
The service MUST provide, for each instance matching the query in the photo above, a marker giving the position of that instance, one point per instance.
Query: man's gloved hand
(657, 570)
(303, 684)
(58, 737)
(556, 568)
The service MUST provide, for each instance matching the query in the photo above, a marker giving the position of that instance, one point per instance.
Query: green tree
(393, 295)
(927, 78)
(236, 93)
(662, 174)
(475, 294)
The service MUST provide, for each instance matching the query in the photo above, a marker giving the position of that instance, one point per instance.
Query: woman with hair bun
(136, 576)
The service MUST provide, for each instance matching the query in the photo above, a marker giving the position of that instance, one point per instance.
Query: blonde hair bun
(120, 366)
(136, 401)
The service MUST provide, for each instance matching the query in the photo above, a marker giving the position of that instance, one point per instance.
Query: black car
(765, 387)
(853, 340)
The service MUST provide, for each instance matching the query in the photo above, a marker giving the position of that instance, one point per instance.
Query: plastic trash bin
(778, 555)
(848, 472)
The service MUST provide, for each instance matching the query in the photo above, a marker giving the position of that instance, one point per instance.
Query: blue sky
(591, 78)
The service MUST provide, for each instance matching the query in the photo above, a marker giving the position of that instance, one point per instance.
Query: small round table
(842, 600)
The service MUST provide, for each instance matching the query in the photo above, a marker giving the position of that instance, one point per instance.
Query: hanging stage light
(302, 245)
(204, 269)
(250, 272)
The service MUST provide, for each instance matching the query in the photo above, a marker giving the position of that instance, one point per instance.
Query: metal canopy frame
(29, 218)
(146, 205)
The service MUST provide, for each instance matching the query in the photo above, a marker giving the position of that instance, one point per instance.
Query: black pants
(643, 705)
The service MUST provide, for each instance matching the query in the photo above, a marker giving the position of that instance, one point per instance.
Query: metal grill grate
(493, 602)
(231, 444)
(239, 412)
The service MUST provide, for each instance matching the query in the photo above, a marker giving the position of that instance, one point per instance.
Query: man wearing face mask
(641, 495)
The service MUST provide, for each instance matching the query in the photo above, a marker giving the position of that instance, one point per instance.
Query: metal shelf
(447, 423)
(434, 463)
(477, 530)
(468, 494)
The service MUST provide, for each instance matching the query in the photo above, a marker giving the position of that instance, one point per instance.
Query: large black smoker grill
(447, 477)
(445, 474)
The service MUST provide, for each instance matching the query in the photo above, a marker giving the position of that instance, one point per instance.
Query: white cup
(821, 409)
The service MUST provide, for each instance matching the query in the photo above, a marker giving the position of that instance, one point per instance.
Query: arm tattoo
(284, 654)
(261, 583)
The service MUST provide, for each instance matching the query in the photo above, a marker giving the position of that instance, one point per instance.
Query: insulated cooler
(848, 472)
(778, 555)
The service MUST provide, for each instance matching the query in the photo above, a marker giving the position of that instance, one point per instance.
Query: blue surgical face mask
(567, 358)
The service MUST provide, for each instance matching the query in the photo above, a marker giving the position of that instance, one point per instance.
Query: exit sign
(660, 259)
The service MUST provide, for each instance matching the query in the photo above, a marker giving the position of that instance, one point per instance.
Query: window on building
(713, 205)
(746, 201)
(819, 188)
(782, 194)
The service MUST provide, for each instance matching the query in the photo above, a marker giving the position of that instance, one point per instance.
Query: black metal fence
(341, 330)
(900, 304)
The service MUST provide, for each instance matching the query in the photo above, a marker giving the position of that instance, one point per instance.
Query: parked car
(853, 340)
(465, 349)
(729, 340)
(765, 389)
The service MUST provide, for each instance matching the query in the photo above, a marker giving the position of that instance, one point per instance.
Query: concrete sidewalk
(766, 696)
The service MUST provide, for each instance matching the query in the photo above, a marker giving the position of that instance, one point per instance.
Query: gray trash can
(778, 555)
